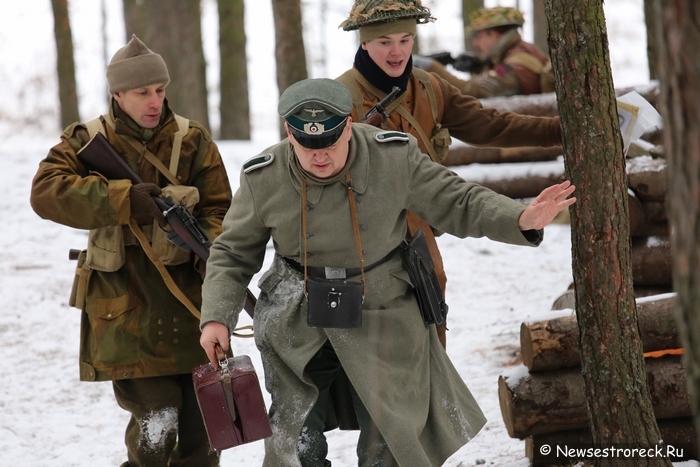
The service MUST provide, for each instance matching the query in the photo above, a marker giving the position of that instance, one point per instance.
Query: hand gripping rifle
(99, 156)
(378, 114)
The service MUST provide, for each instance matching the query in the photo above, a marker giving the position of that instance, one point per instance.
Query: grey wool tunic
(394, 361)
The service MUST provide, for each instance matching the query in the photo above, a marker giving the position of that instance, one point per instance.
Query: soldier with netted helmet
(506, 66)
(428, 107)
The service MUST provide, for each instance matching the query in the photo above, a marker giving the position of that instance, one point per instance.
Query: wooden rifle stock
(99, 156)
(378, 114)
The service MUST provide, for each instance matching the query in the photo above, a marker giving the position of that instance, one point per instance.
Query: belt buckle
(335, 273)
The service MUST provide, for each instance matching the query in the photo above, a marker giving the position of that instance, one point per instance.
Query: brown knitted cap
(134, 66)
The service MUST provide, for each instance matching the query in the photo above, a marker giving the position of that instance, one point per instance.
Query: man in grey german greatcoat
(333, 197)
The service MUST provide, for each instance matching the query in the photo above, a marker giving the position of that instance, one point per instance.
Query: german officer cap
(316, 111)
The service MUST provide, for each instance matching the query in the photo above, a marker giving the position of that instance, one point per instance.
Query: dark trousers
(166, 427)
(312, 449)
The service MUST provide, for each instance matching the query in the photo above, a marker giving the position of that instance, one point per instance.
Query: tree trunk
(539, 25)
(174, 32)
(234, 107)
(553, 344)
(650, 21)
(677, 433)
(525, 186)
(545, 105)
(612, 362)
(647, 177)
(554, 401)
(677, 30)
(65, 66)
(468, 6)
(463, 154)
(290, 55)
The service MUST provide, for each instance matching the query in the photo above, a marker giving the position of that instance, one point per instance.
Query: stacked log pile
(543, 402)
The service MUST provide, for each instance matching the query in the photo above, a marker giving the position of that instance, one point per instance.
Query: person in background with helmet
(509, 65)
(429, 107)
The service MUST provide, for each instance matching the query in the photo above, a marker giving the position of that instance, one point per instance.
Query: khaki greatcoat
(396, 364)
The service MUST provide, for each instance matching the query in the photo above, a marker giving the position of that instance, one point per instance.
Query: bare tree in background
(175, 32)
(539, 25)
(290, 55)
(65, 66)
(235, 106)
(612, 361)
(677, 31)
(467, 7)
(651, 20)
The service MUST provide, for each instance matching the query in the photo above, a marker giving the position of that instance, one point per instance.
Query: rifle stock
(99, 156)
(378, 114)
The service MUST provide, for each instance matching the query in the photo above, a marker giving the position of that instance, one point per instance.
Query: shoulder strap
(95, 126)
(183, 125)
(350, 83)
(424, 77)
(359, 78)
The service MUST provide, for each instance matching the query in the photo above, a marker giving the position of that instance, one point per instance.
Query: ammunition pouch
(169, 253)
(105, 250)
(79, 289)
(441, 141)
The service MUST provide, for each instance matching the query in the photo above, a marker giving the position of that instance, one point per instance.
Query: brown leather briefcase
(231, 402)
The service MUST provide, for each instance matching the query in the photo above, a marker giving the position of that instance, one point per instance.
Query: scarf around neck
(376, 76)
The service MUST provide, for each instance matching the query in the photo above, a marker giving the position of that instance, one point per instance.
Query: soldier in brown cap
(509, 65)
(134, 331)
(429, 108)
(337, 298)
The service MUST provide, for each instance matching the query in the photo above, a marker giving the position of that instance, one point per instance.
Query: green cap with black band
(316, 111)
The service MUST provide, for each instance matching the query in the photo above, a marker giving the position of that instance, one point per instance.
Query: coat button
(175, 329)
(175, 341)
(175, 320)
(160, 321)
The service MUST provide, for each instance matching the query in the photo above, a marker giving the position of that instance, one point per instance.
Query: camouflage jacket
(132, 326)
(515, 67)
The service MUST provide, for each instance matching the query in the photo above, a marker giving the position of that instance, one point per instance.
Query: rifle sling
(167, 278)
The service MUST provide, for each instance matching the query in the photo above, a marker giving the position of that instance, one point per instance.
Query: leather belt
(319, 272)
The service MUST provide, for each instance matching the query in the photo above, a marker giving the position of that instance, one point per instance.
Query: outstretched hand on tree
(542, 210)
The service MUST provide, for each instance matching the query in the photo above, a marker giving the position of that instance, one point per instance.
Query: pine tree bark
(290, 55)
(677, 30)
(65, 65)
(174, 32)
(612, 363)
(234, 106)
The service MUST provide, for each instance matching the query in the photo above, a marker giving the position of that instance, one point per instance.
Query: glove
(468, 62)
(142, 204)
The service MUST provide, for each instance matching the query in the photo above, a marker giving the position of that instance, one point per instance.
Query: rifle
(99, 156)
(378, 114)
(466, 61)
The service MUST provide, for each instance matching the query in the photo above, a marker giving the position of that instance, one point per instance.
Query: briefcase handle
(221, 355)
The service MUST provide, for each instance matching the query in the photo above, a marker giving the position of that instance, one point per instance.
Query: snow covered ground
(50, 419)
